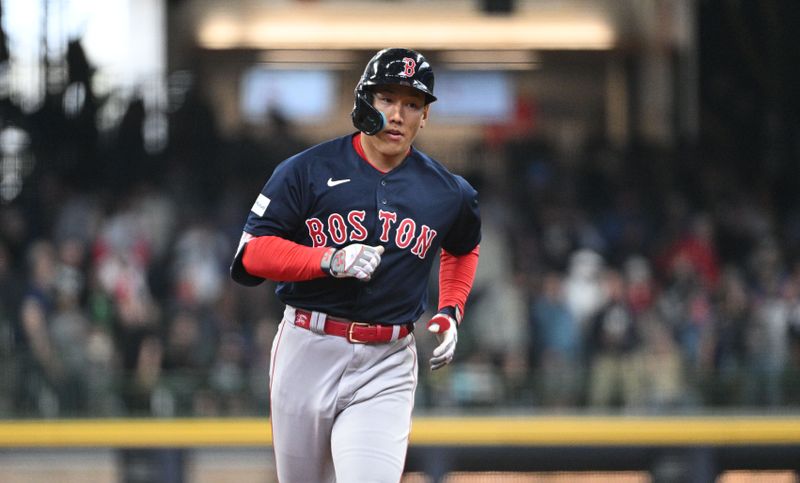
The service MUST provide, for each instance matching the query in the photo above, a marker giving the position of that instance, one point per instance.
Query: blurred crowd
(640, 280)
(610, 279)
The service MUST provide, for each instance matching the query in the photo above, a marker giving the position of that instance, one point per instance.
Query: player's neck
(381, 160)
(385, 163)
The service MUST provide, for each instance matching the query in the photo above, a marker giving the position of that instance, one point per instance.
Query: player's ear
(424, 115)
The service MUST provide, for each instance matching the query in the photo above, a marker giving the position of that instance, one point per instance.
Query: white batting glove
(355, 260)
(446, 330)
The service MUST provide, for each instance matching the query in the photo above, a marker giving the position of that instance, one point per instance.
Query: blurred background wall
(637, 163)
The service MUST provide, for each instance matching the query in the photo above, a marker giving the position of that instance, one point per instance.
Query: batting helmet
(389, 66)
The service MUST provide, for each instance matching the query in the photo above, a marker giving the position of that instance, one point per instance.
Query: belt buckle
(350, 337)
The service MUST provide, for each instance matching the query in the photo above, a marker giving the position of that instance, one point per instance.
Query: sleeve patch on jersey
(260, 206)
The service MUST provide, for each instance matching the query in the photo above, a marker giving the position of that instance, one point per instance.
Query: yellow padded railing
(471, 431)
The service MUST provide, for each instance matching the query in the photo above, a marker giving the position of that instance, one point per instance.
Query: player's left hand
(446, 330)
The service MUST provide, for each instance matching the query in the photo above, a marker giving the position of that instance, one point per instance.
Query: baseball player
(350, 230)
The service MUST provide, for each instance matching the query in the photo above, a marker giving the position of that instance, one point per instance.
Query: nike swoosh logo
(337, 182)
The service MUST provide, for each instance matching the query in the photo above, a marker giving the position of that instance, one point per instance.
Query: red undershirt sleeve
(456, 275)
(281, 260)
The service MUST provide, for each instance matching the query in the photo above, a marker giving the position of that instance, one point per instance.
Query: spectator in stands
(662, 378)
(68, 329)
(767, 335)
(584, 290)
(733, 308)
(695, 249)
(40, 367)
(188, 355)
(685, 305)
(615, 376)
(556, 345)
(228, 376)
(199, 265)
(641, 286)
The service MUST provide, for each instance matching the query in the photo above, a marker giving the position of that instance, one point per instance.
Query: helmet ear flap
(365, 117)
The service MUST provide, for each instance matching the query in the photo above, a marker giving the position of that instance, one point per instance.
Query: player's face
(406, 112)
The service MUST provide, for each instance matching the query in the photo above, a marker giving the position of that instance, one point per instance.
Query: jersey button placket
(382, 193)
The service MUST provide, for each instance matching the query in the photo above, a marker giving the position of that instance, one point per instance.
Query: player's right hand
(356, 260)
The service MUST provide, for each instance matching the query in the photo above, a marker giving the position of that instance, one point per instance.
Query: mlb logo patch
(260, 206)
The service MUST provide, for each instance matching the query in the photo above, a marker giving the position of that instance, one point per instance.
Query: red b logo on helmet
(410, 67)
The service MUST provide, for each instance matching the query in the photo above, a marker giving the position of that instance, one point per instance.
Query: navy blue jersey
(330, 196)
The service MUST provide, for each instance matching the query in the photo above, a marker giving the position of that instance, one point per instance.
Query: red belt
(354, 332)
